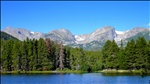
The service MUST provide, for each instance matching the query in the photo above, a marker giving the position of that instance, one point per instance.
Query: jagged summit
(62, 34)
(93, 40)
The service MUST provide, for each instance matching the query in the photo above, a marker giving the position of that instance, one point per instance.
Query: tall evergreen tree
(121, 58)
(2, 52)
(50, 53)
(25, 59)
(42, 55)
(148, 55)
(73, 58)
(53, 54)
(110, 51)
(130, 54)
(67, 57)
(30, 54)
(141, 46)
(106, 52)
(82, 60)
(46, 59)
(35, 54)
(7, 55)
(16, 56)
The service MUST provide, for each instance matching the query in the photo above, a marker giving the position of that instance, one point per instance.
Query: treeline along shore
(44, 55)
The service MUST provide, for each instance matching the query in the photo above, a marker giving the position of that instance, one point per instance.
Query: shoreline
(141, 72)
(41, 72)
(76, 72)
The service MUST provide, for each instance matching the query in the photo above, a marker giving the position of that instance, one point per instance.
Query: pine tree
(30, 54)
(141, 46)
(111, 54)
(35, 54)
(148, 56)
(130, 54)
(50, 52)
(82, 62)
(67, 57)
(25, 58)
(105, 52)
(42, 55)
(121, 58)
(2, 52)
(45, 61)
(16, 55)
(7, 55)
(115, 51)
(72, 58)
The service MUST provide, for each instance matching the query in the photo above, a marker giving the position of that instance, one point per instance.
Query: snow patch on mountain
(119, 32)
(78, 38)
(32, 32)
(117, 39)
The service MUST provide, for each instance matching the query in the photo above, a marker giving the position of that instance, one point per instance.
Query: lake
(86, 78)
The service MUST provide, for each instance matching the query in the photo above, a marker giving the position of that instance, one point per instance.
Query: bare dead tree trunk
(61, 57)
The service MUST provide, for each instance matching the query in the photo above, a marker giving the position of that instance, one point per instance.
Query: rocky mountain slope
(61, 35)
(22, 34)
(101, 34)
(92, 41)
(6, 36)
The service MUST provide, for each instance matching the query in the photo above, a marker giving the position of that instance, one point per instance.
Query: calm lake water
(87, 78)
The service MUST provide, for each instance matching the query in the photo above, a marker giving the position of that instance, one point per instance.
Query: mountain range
(93, 41)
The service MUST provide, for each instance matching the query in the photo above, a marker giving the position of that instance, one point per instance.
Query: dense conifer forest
(47, 55)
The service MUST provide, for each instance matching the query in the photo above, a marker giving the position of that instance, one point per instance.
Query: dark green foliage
(67, 57)
(135, 55)
(16, 56)
(31, 54)
(110, 51)
(25, 57)
(7, 55)
(93, 60)
(141, 53)
(122, 64)
(34, 55)
(148, 55)
(106, 52)
(42, 59)
(130, 54)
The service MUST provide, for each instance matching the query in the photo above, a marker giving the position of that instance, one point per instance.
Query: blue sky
(80, 17)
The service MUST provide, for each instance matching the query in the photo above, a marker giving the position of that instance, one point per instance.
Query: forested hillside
(45, 55)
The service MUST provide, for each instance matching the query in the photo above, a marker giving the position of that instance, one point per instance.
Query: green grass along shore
(40, 72)
(76, 71)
